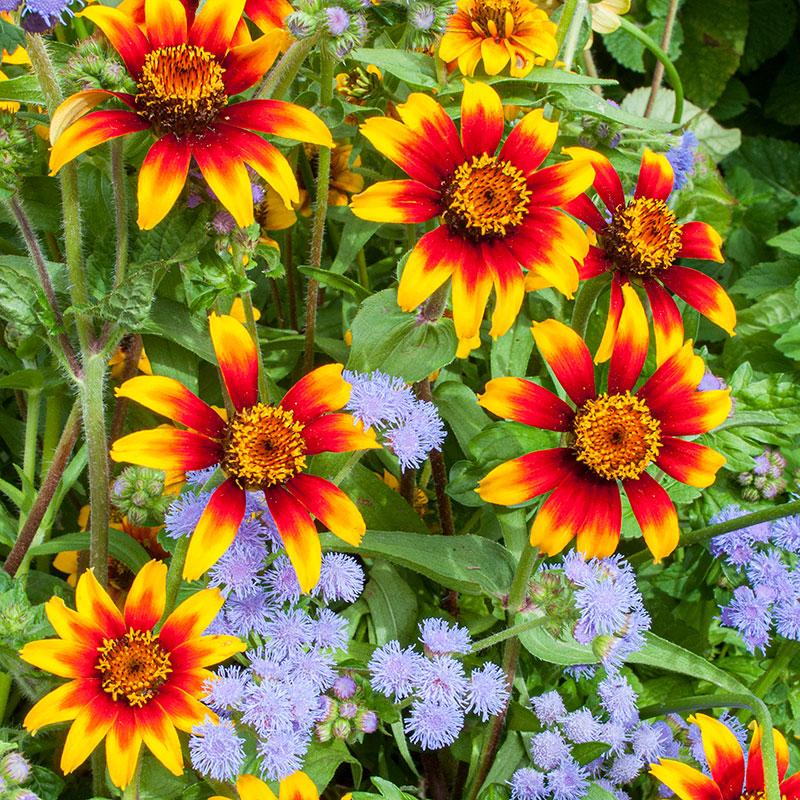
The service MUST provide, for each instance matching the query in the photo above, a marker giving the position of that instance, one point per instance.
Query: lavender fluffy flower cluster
(39, 15)
(681, 157)
(441, 691)
(766, 556)
(632, 744)
(411, 428)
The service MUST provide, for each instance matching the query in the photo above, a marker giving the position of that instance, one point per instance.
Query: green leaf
(11, 37)
(174, 321)
(156, 782)
(179, 236)
(508, 759)
(583, 100)
(120, 545)
(773, 161)
(546, 647)
(589, 751)
(322, 761)
(24, 379)
(416, 69)
(458, 405)
(170, 359)
(788, 241)
(512, 351)
(767, 277)
(770, 30)
(45, 783)
(783, 103)
(336, 281)
(392, 604)
(19, 289)
(24, 89)
(129, 303)
(397, 342)
(355, 234)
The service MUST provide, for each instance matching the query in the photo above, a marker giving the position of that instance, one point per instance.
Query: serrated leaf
(416, 69)
(24, 89)
(767, 277)
(179, 236)
(788, 241)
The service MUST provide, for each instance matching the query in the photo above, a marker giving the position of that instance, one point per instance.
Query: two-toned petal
(165, 448)
(528, 476)
(630, 345)
(429, 265)
(698, 413)
(330, 505)
(279, 118)
(703, 293)
(321, 391)
(688, 783)
(700, 240)
(162, 178)
(524, 401)
(397, 201)
(87, 731)
(568, 357)
(655, 177)
(689, 462)
(481, 119)
(237, 357)
(723, 754)
(147, 597)
(336, 433)
(655, 513)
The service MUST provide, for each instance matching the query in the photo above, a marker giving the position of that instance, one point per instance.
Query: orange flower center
(133, 667)
(486, 198)
(494, 19)
(264, 446)
(643, 237)
(180, 89)
(616, 436)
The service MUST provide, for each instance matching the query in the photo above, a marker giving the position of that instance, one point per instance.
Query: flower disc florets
(616, 436)
(133, 667)
(495, 19)
(643, 237)
(180, 89)
(486, 198)
(264, 446)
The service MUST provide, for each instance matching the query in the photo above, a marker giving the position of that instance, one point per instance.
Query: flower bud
(348, 709)
(367, 721)
(15, 768)
(344, 687)
(341, 728)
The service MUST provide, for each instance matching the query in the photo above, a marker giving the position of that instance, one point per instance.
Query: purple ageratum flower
(527, 784)
(266, 665)
(329, 630)
(603, 606)
(266, 707)
(548, 707)
(749, 614)
(282, 754)
(618, 698)
(223, 223)
(304, 702)
(417, 433)
(51, 11)
(651, 740)
(348, 709)
(577, 569)
(367, 721)
(315, 667)
(344, 687)
(184, 513)
(422, 16)
(628, 640)
(614, 734)
(15, 767)
(768, 570)
(787, 619)
(289, 631)
(246, 615)
(439, 637)
(434, 725)
(681, 158)
(785, 533)
(217, 752)
(394, 671)
(340, 578)
(710, 382)
(238, 570)
(337, 19)
(581, 726)
(737, 545)
(581, 671)
(199, 477)
(549, 749)
(377, 399)
(442, 680)
(568, 781)
(487, 692)
(625, 768)
(281, 581)
(224, 692)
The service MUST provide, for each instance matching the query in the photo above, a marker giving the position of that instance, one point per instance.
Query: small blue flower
(786, 533)
(434, 725)
(422, 16)
(439, 637)
(329, 630)
(238, 570)
(377, 399)
(315, 667)
(344, 687)
(549, 749)
(340, 578)
(749, 613)
(568, 781)
(217, 752)
(417, 433)
(224, 692)
(618, 698)
(51, 11)
(184, 513)
(787, 619)
(282, 753)
(577, 569)
(651, 740)
(442, 680)
(767, 569)
(15, 767)
(548, 707)
(246, 615)
(281, 581)
(487, 691)
(266, 707)
(394, 671)
(289, 631)
(581, 726)
(527, 784)
(338, 20)
(266, 665)
(581, 671)
(625, 768)
(681, 157)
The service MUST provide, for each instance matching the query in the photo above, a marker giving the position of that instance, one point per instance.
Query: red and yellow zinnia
(262, 448)
(726, 764)
(185, 71)
(297, 786)
(128, 683)
(496, 210)
(611, 437)
(641, 244)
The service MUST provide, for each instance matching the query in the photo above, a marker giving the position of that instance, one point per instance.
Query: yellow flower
(298, 786)
(343, 182)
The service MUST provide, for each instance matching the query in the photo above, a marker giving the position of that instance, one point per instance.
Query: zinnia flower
(128, 683)
(185, 72)
(263, 447)
(612, 436)
(726, 764)
(499, 32)
(641, 244)
(495, 210)
(297, 786)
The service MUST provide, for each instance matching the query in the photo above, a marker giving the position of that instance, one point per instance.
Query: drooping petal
(630, 343)
(702, 293)
(87, 731)
(568, 357)
(330, 505)
(688, 783)
(322, 390)
(225, 173)
(123, 744)
(655, 177)
(214, 26)
(425, 118)
(680, 374)
(560, 183)
(481, 119)
(298, 534)
(246, 63)
(298, 786)
(188, 621)
(667, 321)
(79, 104)
(172, 399)
(723, 754)
(520, 479)
(530, 142)
(237, 357)
(93, 602)
(91, 130)
(165, 21)
(62, 704)
(165, 448)
(162, 178)
(599, 534)
(430, 264)
(279, 118)
(397, 201)
(655, 513)
(524, 401)
(700, 240)
(159, 734)
(606, 181)
(123, 33)
(695, 414)
(755, 759)
(147, 597)
(472, 282)
(509, 285)
(337, 433)
(689, 462)
(216, 529)
(207, 650)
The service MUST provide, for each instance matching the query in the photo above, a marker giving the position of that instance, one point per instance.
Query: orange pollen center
(643, 237)
(616, 436)
(264, 446)
(133, 667)
(180, 89)
(486, 198)
(494, 19)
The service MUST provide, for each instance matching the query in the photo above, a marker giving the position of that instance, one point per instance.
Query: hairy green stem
(514, 630)
(120, 210)
(777, 669)
(31, 434)
(669, 67)
(280, 78)
(52, 430)
(658, 72)
(567, 13)
(5, 689)
(318, 227)
(571, 40)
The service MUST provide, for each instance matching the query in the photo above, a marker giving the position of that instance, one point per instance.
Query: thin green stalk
(433, 307)
(131, 791)
(99, 772)
(658, 72)
(52, 430)
(347, 467)
(567, 13)
(777, 669)
(363, 275)
(571, 41)
(31, 434)
(280, 78)
(669, 67)
(5, 689)
(318, 227)
(514, 630)
(588, 292)
(120, 210)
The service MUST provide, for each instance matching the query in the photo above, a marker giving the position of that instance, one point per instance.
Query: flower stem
(5, 689)
(433, 307)
(777, 669)
(588, 292)
(120, 210)
(567, 13)
(280, 78)
(658, 72)
(514, 630)
(175, 573)
(129, 368)
(571, 40)
(34, 406)
(318, 227)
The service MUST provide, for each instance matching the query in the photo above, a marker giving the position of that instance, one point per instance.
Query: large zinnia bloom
(726, 764)
(499, 32)
(128, 683)
(610, 437)
(641, 243)
(496, 210)
(297, 786)
(185, 72)
(263, 447)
